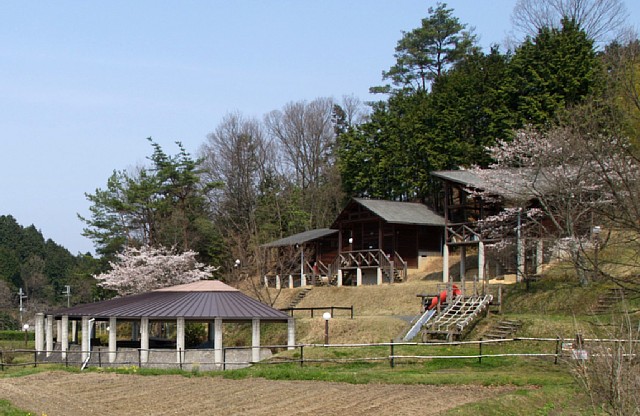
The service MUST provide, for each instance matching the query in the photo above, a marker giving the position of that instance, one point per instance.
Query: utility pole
(21, 296)
(67, 293)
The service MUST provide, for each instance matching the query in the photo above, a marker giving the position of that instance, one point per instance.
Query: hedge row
(15, 335)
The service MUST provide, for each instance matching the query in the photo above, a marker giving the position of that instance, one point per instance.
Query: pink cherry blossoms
(143, 269)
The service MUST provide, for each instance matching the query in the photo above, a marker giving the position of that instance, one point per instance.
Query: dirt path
(68, 394)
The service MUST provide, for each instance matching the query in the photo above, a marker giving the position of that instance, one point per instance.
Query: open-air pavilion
(207, 301)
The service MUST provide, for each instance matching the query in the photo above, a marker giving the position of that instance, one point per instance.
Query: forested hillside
(42, 269)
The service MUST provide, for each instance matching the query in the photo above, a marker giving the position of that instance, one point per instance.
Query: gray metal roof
(512, 184)
(402, 212)
(301, 238)
(463, 177)
(203, 300)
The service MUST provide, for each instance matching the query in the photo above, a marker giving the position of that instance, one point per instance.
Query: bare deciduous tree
(602, 20)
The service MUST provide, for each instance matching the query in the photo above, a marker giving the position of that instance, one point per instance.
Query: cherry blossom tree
(566, 181)
(138, 270)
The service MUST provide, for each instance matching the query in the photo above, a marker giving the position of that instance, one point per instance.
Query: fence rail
(321, 308)
(181, 357)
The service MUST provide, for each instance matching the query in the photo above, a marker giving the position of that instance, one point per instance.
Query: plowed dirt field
(68, 394)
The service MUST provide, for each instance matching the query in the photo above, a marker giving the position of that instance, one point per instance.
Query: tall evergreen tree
(551, 72)
(425, 53)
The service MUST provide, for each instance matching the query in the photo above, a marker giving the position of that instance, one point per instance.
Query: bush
(15, 336)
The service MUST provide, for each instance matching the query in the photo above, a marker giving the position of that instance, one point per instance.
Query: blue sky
(84, 83)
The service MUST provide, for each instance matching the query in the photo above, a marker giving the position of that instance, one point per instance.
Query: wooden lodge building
(376, 241)
(370, 242)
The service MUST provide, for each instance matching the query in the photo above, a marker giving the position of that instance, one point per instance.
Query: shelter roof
(511, 184)
(203, 300)
(396, 212)
(301, 238)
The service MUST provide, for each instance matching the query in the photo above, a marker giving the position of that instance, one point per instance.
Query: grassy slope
(556, 306)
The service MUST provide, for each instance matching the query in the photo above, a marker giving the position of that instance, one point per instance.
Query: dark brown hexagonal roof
(200, 301)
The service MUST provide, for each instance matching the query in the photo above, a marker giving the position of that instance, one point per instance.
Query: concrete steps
(299, 296)
(607, 300)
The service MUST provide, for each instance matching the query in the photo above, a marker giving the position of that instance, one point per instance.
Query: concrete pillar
(358, 276)
(217, 341)
(64, 335)
(144, 339)
(445, 263)
(59, 331)
(303, 280)
(49, 335)
(539, 256)
(379, 276)
(339, 281)
(291, 333)
(266, 282)
(520, 265)
(113, 339)
(74, 331)
(278, 281)
(481, 260)
(255, 340)
(180, 339)
(39, 332)
(290, 282)
(86, 336)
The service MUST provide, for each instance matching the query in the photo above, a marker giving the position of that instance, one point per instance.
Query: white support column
(74, 331)
(64, 335)
(39, 332)
(339, 281)
(113, 339)
(180, 339)
(144, 339)
(463, 271)
(255, 340)
(291, 333)
(519, 250)
(379, 276)
(59, 331)
(358, 276)
(266, 282)
(520, 260)
(303, 280)
(290, 282)
(49, 333)
(217, 341)
(278, 281)
(85, 338)
(445, 263)
(539, 256)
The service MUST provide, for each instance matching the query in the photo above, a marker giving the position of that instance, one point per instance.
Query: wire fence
(395, 353)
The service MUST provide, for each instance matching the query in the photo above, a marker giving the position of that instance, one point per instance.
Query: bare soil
(69, 394)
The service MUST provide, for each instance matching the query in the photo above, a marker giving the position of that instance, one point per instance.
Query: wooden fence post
(480, 352)
(391, 361)
(301, 355)
(555, 361)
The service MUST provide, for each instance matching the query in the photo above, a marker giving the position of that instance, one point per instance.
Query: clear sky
(84, 83)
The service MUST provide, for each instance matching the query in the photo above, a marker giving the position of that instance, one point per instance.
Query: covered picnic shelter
(206, 301)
